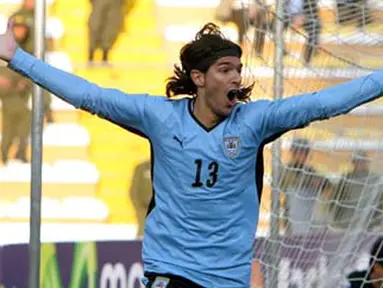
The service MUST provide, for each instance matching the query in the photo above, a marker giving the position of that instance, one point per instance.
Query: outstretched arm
(124, 109)
(299, 111)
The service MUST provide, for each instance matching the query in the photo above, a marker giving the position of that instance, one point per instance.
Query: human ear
(198, 77)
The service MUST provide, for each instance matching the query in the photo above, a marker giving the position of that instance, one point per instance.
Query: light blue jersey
(207, 182)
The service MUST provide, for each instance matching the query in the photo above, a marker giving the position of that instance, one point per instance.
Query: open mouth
(239, 94)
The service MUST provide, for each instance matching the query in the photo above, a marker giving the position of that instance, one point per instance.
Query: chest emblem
(231, 146)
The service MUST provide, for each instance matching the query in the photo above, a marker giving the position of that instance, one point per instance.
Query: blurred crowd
(16, 92)
(301, 16)
(313, 201)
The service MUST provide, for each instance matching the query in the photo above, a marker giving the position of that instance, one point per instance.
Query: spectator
(353, 12)
(353, 192)
(258, 17)
(312, 26)
(105, 23)
(303, 13)
(373, 276)
(16, 122)
(141, 194)
(301, 185)
(244, 13)
(24, 30)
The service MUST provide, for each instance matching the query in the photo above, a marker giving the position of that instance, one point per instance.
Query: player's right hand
(8, 43)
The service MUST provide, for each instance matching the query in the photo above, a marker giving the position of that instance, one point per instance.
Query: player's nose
(237, 78)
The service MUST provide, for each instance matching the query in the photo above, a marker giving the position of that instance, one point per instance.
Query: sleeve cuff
(21, 61)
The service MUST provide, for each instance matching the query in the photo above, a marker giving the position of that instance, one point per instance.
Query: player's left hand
(8, 43)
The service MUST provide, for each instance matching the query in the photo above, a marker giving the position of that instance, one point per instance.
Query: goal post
(329, 174)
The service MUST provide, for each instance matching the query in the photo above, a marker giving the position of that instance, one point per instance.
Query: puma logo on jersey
(178, 140)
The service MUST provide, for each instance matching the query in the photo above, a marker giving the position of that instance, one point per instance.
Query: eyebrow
(230, 64)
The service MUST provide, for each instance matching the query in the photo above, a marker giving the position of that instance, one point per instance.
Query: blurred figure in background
(354, 192)
(235, 11)
(303, 14)
(258, 17)
(105, 23)
(239, 16)
(312, 26)
(353, 12)
(15, 93)
(141, 193)
(302, 186)
(16, 122)
(24, 33)
(373, 276)
(246, 13)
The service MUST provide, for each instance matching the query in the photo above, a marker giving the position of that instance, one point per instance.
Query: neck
(204, 114)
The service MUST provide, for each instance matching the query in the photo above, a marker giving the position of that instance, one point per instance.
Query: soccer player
(206, 152)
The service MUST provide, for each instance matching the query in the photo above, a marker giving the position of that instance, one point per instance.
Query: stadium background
(89, 163)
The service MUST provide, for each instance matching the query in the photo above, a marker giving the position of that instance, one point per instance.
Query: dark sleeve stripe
(259, 165)
(137, 132)
(152, 203)
(129, 128)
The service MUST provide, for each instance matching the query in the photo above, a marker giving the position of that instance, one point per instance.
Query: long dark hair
(208, 46)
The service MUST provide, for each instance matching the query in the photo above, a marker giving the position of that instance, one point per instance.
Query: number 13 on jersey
(208, 180)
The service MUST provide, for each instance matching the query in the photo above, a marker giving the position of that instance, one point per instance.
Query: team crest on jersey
(231, 145)
(160, 282)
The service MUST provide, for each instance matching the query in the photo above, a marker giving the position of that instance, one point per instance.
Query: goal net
(328, 175)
